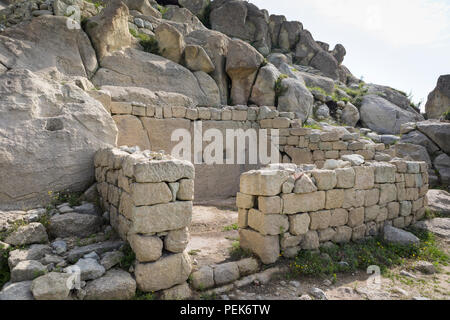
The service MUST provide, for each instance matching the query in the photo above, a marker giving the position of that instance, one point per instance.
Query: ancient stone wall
(284, 209)
(150, 126)
(149, 196)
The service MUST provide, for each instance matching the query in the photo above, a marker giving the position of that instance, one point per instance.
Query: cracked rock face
(49, 133)
(27, 46)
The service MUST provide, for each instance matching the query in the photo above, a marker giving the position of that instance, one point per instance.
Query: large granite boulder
(414, 151)
(242, 20)
(438, 132)
(289, 35)
(170, 42)
(197, 7)
(216, 46)
(275, 23)
(416, 137)
(339, 53)
(295, 98)
(134, 68)
(46, 43)
(439, 201)
(326, 63)
(396, 97)
(306, 48)
(384, 117)
(184, 16)
(143, 6)
(109, 30)
(439, 99)
(263, 92)
(243, 63)
(49, 134)
(442, 165)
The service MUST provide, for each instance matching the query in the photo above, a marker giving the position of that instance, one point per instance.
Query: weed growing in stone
(446, 115)
(128, 258)
(312, 126)
(231, 227)
(353, 256)
(57, 198)
(238, 253)
(4, 268)
(194, 252)
(148, 296)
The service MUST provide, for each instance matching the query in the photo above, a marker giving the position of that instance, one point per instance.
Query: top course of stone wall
(284, 208)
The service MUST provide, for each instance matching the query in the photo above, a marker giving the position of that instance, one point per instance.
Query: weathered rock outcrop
(439, 99)
(170, 41)
(384, 117)
(50, 132)
(109, 30)
(134, 68)
(197, 7)
(263, 92)
(196, 59)
(295, 98)
(428, 141)
(243, 62)
(27, 46)
(242, 20)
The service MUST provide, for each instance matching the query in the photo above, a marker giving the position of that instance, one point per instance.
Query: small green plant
(162, 9)
(279, 88)
(355, 94)
(430, 214)
(13, 226)
(371, 252)
(312, 126)
(238, 253)
(4, 268)
(194, 252)
(150, 44)
(128, 258)
(72, 198)
(45, 220)
(231, 227)
(208, 296)
(446, 115)
(133, 32)
(147, 296)
(318, 89)
(204, 18)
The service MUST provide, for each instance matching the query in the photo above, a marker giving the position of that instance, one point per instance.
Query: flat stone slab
(98, 248)
(438, 226)
(439, 201)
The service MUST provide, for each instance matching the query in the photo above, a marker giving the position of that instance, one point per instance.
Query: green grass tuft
(362, 255)
(128, 258)
(231, 227)
(144, 296)
(238, 253)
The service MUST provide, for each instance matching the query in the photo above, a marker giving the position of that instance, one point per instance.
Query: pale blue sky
(404, 44)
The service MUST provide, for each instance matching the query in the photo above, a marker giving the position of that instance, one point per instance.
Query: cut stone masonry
(149, 197)
(284, 209)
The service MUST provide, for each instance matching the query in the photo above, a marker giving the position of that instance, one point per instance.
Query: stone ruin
(103, 89)
(149, 198)
(149, 124)
(285, 209)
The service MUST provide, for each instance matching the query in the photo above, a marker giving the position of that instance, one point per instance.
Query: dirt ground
(212, 239)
